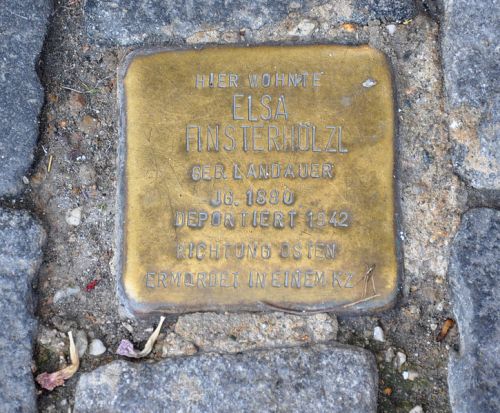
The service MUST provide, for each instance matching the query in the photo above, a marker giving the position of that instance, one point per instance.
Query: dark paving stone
(474, 374)
(471, 59)
(155, 21)
(22, 31)
(317, 379)
(21, 240)
(384, 10)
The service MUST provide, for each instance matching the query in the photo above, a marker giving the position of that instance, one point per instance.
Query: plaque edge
(144, 310)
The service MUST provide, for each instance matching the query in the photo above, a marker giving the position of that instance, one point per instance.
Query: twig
(73, 90)
(50, 381)
(298, 312)
(367, 277)
(49, 166)
(370, 276)
(18, 15)
(126, 348)
(361, 301)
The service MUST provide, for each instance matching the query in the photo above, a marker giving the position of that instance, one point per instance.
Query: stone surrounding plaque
(256, 179)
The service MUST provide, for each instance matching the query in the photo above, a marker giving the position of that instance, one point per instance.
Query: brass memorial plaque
(257, 178)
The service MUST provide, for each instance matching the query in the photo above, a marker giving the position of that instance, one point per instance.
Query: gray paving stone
(155, 21)
(474, 374)
(22, 31)
(384, 10)
(316, 379)
(21, 240)
(471, 59)
(233, 333)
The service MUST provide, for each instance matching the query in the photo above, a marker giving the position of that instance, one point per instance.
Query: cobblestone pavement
(58, 108)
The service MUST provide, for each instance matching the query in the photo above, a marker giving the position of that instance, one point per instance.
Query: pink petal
(126, 348)
(50, 381)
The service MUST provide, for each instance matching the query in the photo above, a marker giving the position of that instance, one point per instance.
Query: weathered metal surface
(257, 178)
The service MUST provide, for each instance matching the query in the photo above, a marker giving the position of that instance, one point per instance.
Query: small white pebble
(434, 326)
(128, 327)
(304, 28)
(74, 217)
(400, 359)
(417, 409)
(410, 375)
(391, 28)
(81, 342)
(96, 347)
(378, 334)
(389, 355)
(26, 181)
(369, 83)
(414, 309)
(64, 293)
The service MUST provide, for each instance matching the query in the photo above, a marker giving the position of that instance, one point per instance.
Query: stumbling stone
(471, 69)
(21, 239)
(22, 31)
(155, 21)
(282, 263)
(321, 378)
(473, 375)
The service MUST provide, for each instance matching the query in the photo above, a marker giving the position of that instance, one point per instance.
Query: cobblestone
(335, 379)
(157, 21)
(473, 375)
(22, 31)
(471, 56)
(21, 240)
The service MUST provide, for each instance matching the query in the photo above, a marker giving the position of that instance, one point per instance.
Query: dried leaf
(49, 166)
(50, 381)
(447, 326)
(126, 348)
(349, 27)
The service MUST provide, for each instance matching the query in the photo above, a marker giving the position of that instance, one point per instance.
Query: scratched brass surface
(351, 268)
